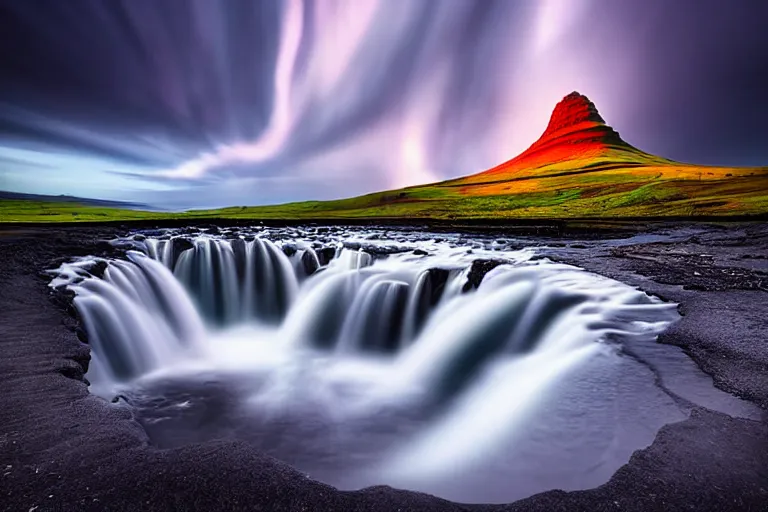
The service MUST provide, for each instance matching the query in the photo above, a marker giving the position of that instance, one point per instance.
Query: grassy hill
(579, 168)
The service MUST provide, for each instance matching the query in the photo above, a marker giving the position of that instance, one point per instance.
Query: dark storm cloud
(245, 101)
(142, 66)
(702, 74)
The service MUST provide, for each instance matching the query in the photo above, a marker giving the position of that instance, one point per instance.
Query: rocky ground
(64, 449)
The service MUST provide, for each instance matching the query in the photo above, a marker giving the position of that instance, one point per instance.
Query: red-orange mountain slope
(580, 166)
(576, 138)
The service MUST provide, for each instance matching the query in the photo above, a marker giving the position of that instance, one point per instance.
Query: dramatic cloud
(207, 103)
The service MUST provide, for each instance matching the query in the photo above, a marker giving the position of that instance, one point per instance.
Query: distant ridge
(19, 196)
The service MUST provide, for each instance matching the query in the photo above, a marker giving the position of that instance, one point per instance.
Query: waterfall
(378, 361)
(137, 317)
(168, 296)
(232, 280)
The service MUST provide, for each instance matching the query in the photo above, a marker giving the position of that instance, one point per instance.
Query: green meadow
(607, 194)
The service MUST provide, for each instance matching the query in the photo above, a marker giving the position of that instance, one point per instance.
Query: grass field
(623, 192)
(587, 187)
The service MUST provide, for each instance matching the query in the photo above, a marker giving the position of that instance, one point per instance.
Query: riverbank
(68, 450)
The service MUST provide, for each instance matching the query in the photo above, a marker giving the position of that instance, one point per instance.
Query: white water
(415, 381)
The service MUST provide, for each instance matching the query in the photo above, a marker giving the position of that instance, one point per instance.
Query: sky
(206, 103)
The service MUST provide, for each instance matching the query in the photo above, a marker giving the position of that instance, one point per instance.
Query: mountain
(20, 196)
(22, 208)
(576, 138)
(579, 168)
(576, 131)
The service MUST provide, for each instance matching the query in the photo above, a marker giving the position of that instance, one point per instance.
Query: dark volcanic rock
(82, 335)
(309, 262)
(438, 278)
(477, 272)
(325, 255)
(178, 246)
(238, 249)
(428, 295)
(691, 267)
(181, 244)
(289, 249)
(64, 449)
(98, 268)
(385, 250)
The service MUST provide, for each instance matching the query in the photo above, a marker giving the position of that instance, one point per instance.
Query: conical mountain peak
(574, 127)
(575, 109)
(576, 132)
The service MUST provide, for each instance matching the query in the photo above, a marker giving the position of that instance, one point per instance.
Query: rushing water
(365, 360)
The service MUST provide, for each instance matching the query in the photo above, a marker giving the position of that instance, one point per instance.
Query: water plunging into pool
(448, 365)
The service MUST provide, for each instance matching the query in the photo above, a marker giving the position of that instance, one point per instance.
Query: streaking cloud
(275, 135)
(219, 102)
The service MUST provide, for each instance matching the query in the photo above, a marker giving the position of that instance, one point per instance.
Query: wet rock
(420, 252)
(289, 249)
(98, 268)
(428, 296)
(478, 271)
(154, 233)
(103, 247)
(211, 228)
(309, 262)
(238, 249)
(384, 250)
(438, 279)
(72, 370)
(325, 255)
(81, 334)
(180, 245)
(353, 246)
(124, 245)
(73, 312)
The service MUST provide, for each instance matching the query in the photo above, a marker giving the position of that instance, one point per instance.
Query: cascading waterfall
(134, 305)
(231, 280)
(389, 354)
